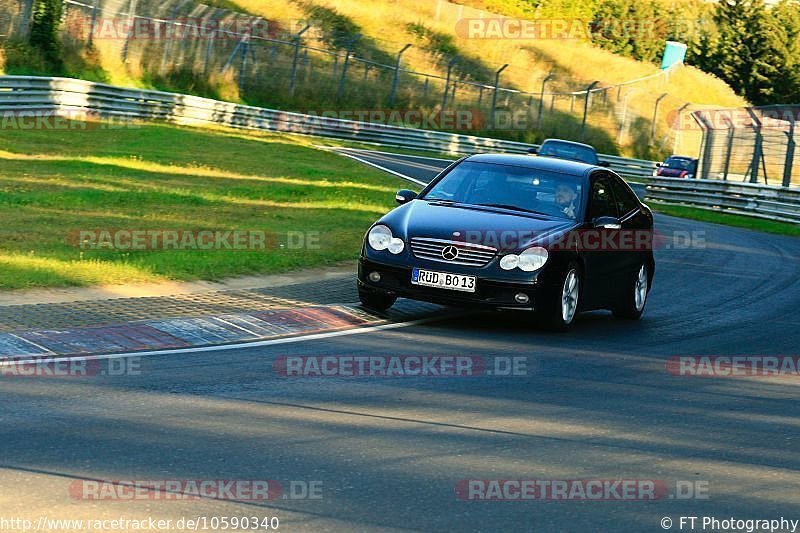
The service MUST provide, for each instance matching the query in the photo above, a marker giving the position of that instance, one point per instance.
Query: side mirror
(607, 223)
(404, 196)
(604, 163)
(533, 151)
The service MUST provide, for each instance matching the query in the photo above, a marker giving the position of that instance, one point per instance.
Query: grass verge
(55, 183)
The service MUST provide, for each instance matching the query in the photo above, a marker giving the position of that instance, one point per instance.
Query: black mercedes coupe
(513, 232)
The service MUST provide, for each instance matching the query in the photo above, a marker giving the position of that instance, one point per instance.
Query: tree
(45, 21)
(786, 15)
(746, 50)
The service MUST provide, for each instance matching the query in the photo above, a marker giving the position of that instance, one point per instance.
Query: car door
(599, 257)
(636, 236)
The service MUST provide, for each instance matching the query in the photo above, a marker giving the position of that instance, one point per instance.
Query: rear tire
(560, 310)
(376, 301)
(635, 297)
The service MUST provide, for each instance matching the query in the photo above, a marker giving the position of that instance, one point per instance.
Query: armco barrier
(70, 95)
(75, 97)
(774, 203)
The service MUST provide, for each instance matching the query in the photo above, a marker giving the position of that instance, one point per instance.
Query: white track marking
(364, 161)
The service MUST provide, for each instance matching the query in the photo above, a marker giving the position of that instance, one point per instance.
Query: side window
(602, 202)
(626, 201)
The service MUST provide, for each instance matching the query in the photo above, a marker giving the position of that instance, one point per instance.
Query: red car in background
(677, 166)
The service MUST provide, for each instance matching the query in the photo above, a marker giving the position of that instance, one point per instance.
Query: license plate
(443, 280)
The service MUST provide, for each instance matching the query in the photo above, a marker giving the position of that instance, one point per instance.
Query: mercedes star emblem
(450, 252)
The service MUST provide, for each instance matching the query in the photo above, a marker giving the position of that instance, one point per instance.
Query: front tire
(376, 301)
(560, 311)
(635, 297)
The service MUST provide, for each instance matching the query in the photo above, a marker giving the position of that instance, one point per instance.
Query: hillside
(259, 72)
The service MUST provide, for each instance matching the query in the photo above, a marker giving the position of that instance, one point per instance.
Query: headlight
(380, 238)
(529, 260)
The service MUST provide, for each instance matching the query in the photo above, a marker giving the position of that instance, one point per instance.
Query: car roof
(549, 164)
(682, 157)
(561, 141)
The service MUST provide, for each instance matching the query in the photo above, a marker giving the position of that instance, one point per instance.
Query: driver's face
(565, 195)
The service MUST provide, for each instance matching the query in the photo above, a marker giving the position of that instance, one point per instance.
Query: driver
(566, 195)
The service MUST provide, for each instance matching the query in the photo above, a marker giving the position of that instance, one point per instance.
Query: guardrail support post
(343, 79)
(586, 108)
(494, 94)
(396, 79)
(293, 78)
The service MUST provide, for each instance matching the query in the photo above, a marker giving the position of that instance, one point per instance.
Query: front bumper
(489, 293)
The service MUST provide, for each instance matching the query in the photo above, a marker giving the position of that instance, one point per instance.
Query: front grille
(474, 255)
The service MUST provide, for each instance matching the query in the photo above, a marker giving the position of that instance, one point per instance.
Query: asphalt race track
(594, 404)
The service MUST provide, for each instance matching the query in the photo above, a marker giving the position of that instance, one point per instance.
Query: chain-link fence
(756, 145)
(314, 66)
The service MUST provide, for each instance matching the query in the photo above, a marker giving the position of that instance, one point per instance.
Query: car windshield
(511, 187)
(573, 152)
(678, 163)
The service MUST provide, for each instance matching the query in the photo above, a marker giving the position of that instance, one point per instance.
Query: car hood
(501, 229)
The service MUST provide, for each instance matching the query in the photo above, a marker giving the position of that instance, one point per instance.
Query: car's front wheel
(376, 301)
(632, 305)
(559, 312)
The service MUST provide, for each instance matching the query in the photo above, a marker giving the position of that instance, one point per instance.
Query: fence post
(173, 14)
(396, 78)
(728, 150)
(131, 29)
(350, 44)
(790, 146)
(624, 119)
(677, 128)
(293, 78)
(245, 52)
(586, 108)
(212, 38)
(541, 100)
(756, 161)
(450, 65)
(494, 95)
(26, 18)
(92, 23)
(655, 117)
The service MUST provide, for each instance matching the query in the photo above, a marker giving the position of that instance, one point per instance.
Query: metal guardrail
(75, 97)
(770, 202)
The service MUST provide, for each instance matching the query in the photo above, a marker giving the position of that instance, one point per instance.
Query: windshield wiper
(513, 207)
(438, 201)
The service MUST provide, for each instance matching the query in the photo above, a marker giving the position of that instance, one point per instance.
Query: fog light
(521, 298)
(375, 277)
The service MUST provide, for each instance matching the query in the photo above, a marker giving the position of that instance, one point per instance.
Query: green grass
(716, 217)
(156, 177)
